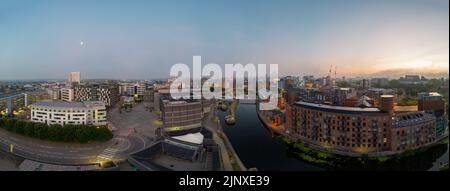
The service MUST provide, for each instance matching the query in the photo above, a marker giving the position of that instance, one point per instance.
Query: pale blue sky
(143, 39)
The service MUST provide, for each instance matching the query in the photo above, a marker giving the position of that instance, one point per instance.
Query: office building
(64, 113)
(179, 114)
(108, 93)
(133, 89)
(67, 94)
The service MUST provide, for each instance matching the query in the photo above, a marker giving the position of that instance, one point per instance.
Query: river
(257, 147)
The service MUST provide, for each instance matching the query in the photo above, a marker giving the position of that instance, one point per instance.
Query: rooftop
(65, 104)
(196, 138)
(341, 109)
(429, 94)
(406, 108)
(405, 119)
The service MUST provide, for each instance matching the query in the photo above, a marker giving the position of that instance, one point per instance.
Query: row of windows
(64, 111)
(406, 145)
(403, 132)
(375, 139)
(338, 117)
(350, 129)
(333, 122)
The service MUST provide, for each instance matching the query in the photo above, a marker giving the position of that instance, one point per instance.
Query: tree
(29, 129)
(20, 127)
(343, 84)
(56, 132)
(394, 83)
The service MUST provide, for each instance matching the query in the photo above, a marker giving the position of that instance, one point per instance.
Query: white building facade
(65, 113)
(67, 94)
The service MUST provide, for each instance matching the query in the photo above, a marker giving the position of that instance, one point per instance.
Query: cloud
(424, 71)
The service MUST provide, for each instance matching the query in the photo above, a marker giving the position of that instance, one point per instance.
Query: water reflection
(258, 147)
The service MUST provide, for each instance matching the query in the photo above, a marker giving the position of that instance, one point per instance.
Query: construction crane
(329, 73)
(335, 71)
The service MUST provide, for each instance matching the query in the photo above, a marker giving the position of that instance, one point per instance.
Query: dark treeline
(67, 133)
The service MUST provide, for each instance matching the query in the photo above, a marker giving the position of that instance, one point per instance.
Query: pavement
(210, 123)
(50, 152)
(9, 162)
(7, 165)
(133, 132)
(139, 119)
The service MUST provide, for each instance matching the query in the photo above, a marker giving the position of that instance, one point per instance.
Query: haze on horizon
(46, 39)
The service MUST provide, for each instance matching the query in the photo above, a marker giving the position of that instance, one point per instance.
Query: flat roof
(410, 118)
(429, 94)
(66, 104)
(196, 138)
(339, 109)
(406, 108)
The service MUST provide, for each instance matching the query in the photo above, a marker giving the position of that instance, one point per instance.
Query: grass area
(233, 160)
(444, 167)
(406, 160)
(443, 141)
(310, 155)
(407, 101)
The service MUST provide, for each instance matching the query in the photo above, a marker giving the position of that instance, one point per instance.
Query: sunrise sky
(143, 39)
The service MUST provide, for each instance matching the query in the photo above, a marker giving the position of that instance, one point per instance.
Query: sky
(43, 39)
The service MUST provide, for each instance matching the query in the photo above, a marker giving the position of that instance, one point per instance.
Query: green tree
(29, 129)
(20, 127)
(394, 83)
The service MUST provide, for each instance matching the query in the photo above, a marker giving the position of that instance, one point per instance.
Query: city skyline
(143, 39)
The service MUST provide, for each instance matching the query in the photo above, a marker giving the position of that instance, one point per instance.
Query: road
(133, 133)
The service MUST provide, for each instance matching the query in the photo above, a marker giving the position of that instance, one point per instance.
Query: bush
(67, 133)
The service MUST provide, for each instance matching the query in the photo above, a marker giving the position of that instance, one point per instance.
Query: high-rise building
(74, 77)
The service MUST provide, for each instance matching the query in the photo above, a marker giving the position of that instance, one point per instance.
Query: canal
(255, 144)
(258, 147)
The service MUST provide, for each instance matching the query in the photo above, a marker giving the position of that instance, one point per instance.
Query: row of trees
(408, 92)
(67, 133)
(432, 85)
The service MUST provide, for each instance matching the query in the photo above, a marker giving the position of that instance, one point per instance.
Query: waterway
(258, 147)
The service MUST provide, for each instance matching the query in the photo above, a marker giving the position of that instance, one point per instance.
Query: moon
(81, 43)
